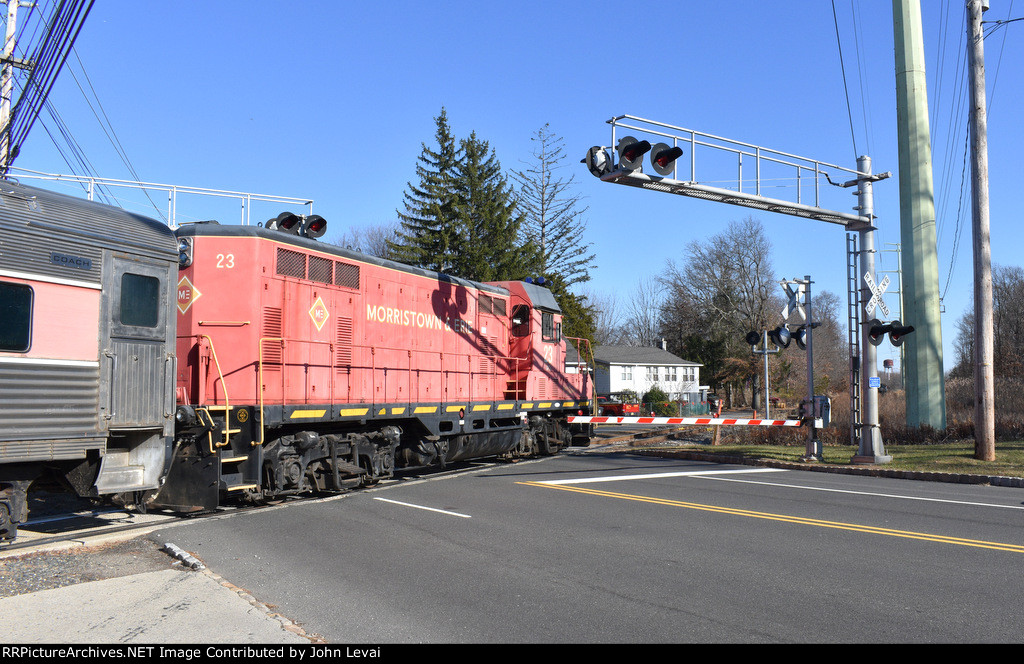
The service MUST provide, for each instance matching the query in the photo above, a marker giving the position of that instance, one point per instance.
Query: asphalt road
(609, 548)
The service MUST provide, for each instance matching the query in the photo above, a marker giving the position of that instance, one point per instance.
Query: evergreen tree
(554, 218)
(578, 315)
(487, 247)
(426, 237)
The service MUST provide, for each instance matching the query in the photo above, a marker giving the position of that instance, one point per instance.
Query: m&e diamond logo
(187, 294)
(318, 312)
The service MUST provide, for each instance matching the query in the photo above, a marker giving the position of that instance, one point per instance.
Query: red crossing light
(663, 158)
(631, 153)
(314, 226)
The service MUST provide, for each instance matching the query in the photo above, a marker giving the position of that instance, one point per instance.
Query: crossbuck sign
(795, 296)
(876, 295)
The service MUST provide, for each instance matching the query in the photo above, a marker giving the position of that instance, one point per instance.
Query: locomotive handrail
(449, 363)
(259, 375)
(495, 376)
(227, 400)
(469, 357)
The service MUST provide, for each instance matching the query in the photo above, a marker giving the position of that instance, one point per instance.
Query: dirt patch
(54, 569)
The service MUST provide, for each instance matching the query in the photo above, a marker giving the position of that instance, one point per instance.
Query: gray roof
(638, 355)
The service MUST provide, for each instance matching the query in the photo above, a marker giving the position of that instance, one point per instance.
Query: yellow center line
(999, 546)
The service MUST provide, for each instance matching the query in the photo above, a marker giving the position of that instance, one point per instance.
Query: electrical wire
(64, 27)
(846, 88)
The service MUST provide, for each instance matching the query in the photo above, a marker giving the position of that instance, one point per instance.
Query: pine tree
(427, 237)
(488, 246)
(554, 218)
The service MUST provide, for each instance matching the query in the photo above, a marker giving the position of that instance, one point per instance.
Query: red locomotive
(304, 366)
(175, 369)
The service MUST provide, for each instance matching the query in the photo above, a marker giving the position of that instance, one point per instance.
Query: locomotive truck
(173, 369)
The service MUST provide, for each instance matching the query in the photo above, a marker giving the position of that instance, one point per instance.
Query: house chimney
(664, 344)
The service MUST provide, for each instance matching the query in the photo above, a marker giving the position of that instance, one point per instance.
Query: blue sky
(332, 101)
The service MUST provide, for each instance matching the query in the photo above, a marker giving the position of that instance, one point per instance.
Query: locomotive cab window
(520, 321)
(15, 317)
(549, 330)
(140, 300)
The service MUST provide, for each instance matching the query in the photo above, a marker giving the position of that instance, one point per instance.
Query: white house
(640, 368)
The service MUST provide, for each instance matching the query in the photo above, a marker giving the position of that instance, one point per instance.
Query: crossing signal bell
(598, 161)
(896, 331)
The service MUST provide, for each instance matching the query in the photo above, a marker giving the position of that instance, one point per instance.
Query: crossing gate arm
(700, 421)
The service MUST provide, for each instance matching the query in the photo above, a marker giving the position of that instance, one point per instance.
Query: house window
(627, 373)
(670, 374)
(652, 373)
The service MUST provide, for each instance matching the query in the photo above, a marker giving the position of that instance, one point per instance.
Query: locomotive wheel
(527, 444)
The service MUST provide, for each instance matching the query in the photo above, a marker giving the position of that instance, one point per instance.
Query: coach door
(138, 354)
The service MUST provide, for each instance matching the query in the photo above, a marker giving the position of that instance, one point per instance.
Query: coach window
(15, 317)
(520, 320)
(140, 300)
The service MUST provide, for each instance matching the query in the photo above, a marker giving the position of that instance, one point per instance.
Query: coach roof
(104, 226)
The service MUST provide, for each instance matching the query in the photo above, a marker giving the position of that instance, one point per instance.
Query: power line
(846, 88)
(63, 29)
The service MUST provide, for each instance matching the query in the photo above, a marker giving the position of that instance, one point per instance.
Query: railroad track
(56, 519)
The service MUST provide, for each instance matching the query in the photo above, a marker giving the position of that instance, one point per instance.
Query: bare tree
(553, 213)
(1008, 324)
(642, 325)
(607, 327)
(372, 240)
(725, 288)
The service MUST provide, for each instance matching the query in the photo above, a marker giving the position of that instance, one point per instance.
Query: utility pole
(984, 386)
(919, 305)
(7, 81)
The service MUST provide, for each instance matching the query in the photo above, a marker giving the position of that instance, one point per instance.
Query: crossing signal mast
(674, 175)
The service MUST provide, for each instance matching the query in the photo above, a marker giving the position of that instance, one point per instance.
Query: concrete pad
(166, 606)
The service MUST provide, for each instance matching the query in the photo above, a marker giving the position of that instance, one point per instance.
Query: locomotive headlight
(184, 252)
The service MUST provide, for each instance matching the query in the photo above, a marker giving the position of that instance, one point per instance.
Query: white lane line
(688, 473)
(870, 493)
(422, 507)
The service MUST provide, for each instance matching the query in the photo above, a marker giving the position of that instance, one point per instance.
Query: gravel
(32, 572)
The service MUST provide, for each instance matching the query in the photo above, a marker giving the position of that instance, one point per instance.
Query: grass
(940, 458)
(950, 450)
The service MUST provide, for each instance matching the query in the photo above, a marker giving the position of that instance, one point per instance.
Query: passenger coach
(86, 356)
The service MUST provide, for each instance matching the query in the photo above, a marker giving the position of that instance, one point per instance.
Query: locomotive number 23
(225, 260)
